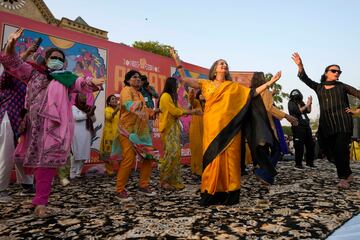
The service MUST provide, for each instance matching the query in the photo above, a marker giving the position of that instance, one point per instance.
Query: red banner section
(97, 57)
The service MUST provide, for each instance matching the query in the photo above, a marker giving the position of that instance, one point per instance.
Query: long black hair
(197, 96)
(170, 88)
(323, 77)
(109, 98)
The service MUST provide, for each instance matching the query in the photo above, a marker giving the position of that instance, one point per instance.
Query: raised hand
(297, 59)
(177, 60)
(309, 101)
(176, 57)
(12, 39)
(276, 77)
(32, 49)
(262, 88)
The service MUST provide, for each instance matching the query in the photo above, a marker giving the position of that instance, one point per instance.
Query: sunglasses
(335, 71)
(57, 58)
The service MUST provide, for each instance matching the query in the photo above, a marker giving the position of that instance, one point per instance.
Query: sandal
(343, 184)
(350, 178)
(41, 211)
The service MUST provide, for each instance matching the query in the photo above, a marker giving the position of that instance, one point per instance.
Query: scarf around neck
(64, 77)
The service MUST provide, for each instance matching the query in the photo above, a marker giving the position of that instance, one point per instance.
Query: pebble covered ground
(301, 205)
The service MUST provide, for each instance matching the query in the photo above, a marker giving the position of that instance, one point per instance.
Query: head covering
(295, 95)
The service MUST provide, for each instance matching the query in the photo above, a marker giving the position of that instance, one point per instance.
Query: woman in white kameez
(84, 117)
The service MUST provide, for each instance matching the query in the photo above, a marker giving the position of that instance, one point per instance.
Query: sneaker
(4, 197)
(28, 192)
(147, 191)
(64, 182)
(299, 167)
(124, 196)
(343, 184)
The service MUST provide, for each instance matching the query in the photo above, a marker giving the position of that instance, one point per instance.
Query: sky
(256, 35)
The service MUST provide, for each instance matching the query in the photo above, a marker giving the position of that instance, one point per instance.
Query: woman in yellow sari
(134, 136)
(169, 127)
(226, 105)
(196, 132)
(109, 132)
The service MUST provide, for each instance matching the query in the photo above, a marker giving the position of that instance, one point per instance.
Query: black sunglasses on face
(335, 71)
(58, 58)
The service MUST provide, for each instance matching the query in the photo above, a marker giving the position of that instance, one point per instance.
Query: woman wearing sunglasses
(335, 124)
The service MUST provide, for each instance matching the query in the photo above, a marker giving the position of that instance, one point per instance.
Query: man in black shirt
(302, 132)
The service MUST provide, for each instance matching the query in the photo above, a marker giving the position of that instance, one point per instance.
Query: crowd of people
(43, 131)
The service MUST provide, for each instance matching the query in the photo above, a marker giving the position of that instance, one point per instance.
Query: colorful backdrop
(91, 56)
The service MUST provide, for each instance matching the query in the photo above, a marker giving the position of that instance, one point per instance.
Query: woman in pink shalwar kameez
(50, 127)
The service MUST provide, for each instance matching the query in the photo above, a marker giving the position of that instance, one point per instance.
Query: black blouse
(333, 101)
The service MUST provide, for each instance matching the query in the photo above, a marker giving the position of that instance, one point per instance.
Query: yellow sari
(225, 108)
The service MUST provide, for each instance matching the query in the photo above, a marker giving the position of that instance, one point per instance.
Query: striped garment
(333, 117)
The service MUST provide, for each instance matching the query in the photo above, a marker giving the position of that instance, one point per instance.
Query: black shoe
(311, 165)
(300, 167)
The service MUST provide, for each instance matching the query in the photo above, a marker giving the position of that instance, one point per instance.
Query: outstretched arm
(298, 61)
(12, 62)
(273, 80)
(192, 82)
(301, 71)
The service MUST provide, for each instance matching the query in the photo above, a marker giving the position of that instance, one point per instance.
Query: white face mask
(55, 64)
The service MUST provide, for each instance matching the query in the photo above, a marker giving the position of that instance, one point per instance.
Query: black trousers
(337, 146)
(303, 138)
